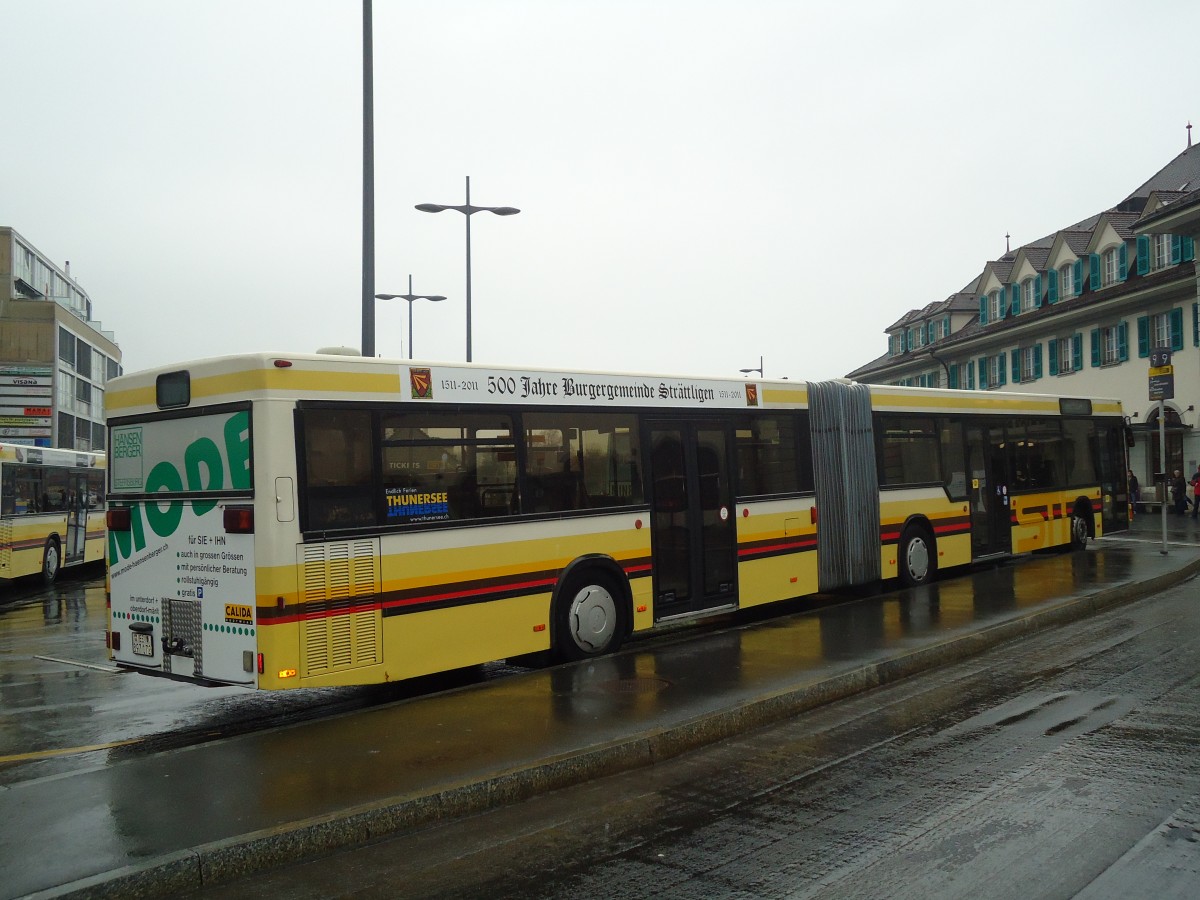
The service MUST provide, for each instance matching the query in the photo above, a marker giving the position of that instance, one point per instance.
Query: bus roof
(51, 456)
(314, 376)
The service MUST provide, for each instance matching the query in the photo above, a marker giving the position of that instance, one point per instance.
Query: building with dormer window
(1078, 313)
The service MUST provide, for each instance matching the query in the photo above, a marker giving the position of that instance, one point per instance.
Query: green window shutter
(1196, 324)
(1143, 254)
(1177, 328)
(1094, 277)
(1053, 348)
(1123, 262)
(1143, 326)
(1176, 249)
(970, 376)
(1037, 361)
(1189, 249)
(930, 333)
(946, 327)
(1095, 347)
(982, 371)
(1002, 367)
(1015, 295)
(1122, 342)
(952, 377)
(1052, 289)
(1037, 291)
(1077, 350)
(1078, 267)
(1003, 304)
(1016, 366)
(983, 309)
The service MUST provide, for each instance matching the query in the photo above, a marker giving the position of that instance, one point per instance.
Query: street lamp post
(468, 210)
(759, 370)
(410, 297)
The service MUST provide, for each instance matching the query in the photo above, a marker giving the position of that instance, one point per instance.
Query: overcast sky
(700, 183)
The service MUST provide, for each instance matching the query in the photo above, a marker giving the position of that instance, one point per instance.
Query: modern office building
(1079, 312)
(55, 359)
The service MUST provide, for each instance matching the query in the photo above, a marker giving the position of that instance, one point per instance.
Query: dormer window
(1160, 252)
(1110, 266)
(1067, 288)
(995, 305)
(1029, 294)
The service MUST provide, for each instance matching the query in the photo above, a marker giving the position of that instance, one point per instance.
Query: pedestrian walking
(1196, 491)
(1135, 492)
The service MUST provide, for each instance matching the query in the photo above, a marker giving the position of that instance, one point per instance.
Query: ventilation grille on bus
(182, 624)
(6, 533)
(341, 628)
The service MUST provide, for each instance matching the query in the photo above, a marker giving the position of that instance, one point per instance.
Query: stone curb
(225, 860)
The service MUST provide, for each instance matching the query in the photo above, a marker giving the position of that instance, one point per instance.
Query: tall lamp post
(759, 370)
(468, 210)
(410, 297)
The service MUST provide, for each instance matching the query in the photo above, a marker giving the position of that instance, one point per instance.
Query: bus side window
(337, 469)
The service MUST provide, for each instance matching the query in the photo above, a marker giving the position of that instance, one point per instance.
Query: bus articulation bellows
(307, 520)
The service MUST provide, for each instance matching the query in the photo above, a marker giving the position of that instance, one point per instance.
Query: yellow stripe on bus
(990, 401)
(258, 380)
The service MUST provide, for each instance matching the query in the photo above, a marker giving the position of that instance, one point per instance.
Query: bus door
(77, 511)
(693, 532)
(991, 530)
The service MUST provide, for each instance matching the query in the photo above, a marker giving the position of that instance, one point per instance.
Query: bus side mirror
(1130, 440)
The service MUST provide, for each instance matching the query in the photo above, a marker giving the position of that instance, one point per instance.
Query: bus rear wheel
(51, 561)
(589, 617)
(918, 556)
(1079, 532)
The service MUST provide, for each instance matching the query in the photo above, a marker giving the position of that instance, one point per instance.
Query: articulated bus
(51, 510)
(309, 520)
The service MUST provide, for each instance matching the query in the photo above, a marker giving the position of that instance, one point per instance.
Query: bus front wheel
(588, 617)
(51, 561)
(918, 556)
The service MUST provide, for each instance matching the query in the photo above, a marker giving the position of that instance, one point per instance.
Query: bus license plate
(143, 644)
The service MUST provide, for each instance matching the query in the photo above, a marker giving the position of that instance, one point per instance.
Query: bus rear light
(261, 664)
(283, 363)
(812, 515)
(541, 627)
(118, 518)
(115, 641)
(239, 520)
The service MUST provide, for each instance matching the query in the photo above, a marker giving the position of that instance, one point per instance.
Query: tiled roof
(1180, 174)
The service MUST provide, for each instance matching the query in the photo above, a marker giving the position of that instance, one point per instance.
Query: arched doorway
(1174, 432)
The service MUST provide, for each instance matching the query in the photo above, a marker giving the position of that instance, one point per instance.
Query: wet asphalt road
(1062, 765)
(62, 704)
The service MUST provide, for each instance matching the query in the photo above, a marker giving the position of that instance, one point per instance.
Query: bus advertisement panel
(186, 578)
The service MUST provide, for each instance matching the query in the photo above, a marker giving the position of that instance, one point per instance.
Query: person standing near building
(1135, 493)
(1179, 492)
(1196, 491)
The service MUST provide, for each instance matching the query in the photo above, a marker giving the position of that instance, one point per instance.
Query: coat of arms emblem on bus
(421, 381)
(752, 395)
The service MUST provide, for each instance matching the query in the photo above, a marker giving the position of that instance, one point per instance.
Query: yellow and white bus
(299, 520)
(51, 510)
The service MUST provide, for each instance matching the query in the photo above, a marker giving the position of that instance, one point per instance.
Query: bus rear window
(173, 390)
